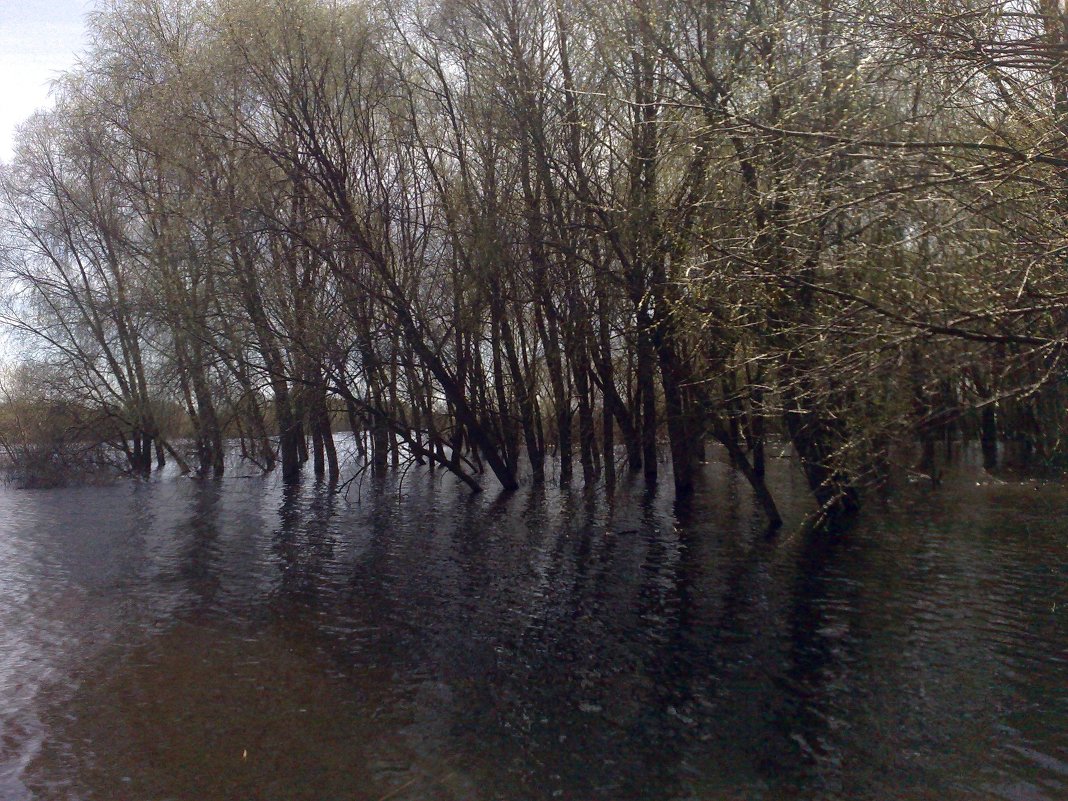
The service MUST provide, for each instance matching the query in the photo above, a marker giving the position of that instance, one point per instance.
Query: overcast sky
(38, 40)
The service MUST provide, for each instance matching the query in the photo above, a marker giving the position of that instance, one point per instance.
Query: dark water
(192, 640)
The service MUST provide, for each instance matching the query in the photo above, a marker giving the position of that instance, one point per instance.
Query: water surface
(182, 639)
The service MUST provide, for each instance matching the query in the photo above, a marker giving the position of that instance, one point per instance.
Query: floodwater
(195, 640)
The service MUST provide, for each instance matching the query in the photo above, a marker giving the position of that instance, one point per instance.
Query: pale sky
(38, 40)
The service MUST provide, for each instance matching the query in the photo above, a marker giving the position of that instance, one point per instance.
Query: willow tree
(75, 274)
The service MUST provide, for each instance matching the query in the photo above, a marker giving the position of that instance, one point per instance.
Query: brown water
(191, 640)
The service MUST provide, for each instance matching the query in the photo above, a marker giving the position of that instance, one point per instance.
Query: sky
(39, 39)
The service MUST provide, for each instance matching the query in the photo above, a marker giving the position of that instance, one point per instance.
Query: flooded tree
(503, 237)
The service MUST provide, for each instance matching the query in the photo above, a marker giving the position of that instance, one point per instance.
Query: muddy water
(177, 639)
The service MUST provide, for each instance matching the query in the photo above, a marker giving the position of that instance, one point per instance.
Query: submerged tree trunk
(817, 438)
(988, 435)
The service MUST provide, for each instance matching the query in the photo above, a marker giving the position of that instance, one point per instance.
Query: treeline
(499, 231)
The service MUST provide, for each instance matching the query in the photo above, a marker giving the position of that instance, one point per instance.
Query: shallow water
(177, 639)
